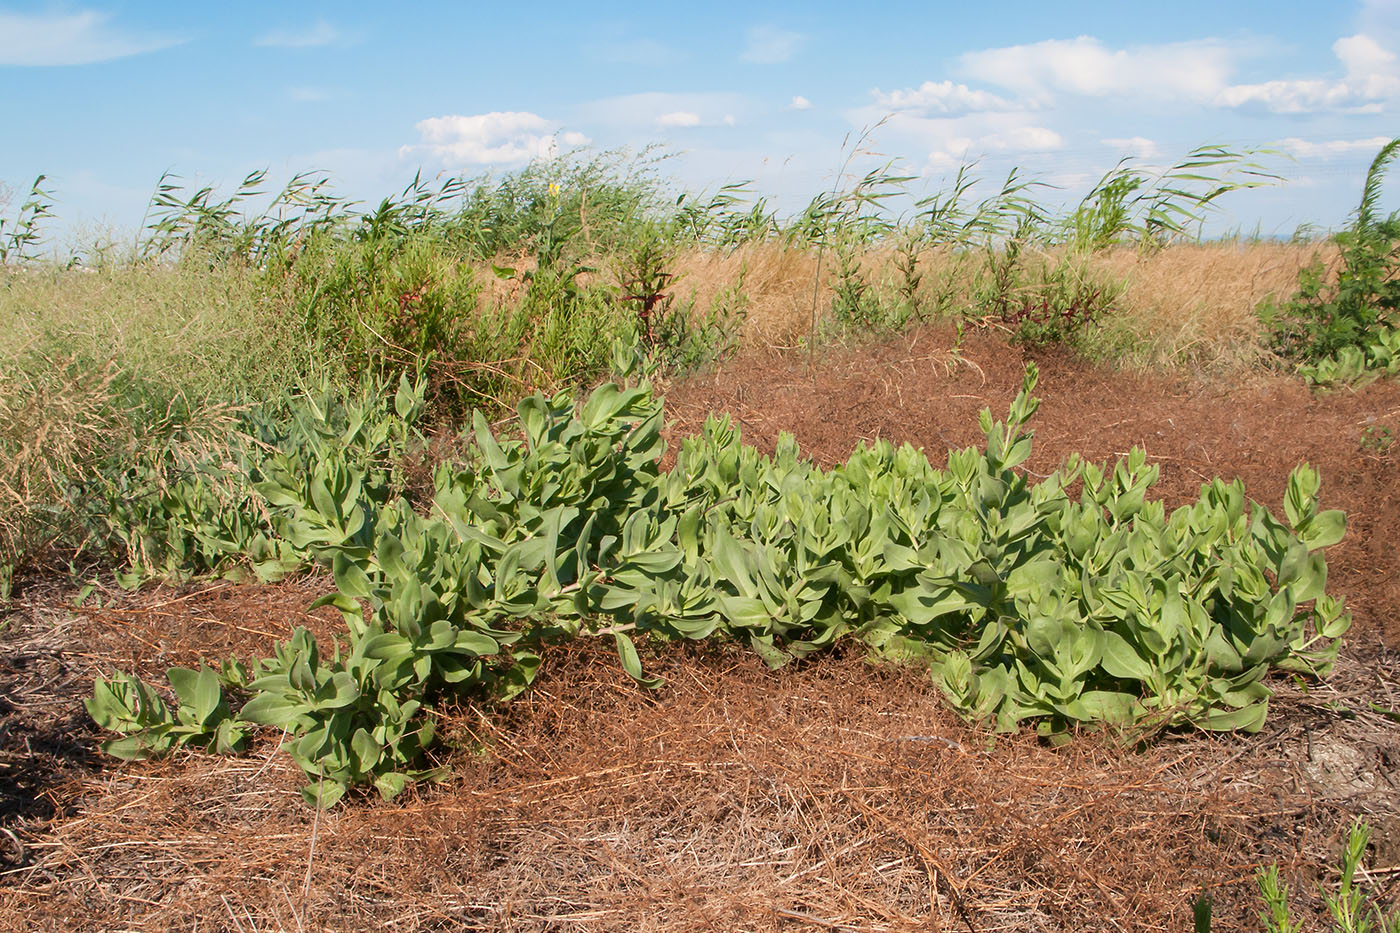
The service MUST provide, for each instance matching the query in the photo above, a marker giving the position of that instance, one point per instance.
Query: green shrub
(1326, 318)
(1027, 605)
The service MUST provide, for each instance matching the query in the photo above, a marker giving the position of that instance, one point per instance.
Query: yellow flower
(554, 188)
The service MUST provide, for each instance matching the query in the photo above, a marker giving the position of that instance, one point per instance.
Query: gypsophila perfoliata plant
(1028, 604)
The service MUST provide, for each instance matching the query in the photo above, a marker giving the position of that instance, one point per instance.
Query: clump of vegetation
(495, 288)
(1352, 908)
(1027, 605)
(1342, 328)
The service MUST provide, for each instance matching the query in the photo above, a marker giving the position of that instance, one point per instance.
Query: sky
(103, 97)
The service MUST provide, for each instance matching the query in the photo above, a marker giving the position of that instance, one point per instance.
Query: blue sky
(103, 97)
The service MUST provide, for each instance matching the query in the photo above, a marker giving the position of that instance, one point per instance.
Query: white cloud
(1371, 79)
(1085, 66)
(1311, 149)
(679, 118)
(498, 138)
(308, 95)
(81, 38)
(1139, 147)
(654, 108)
(953, 123)
(1199, 71)
(317, 35)
(1024, 139)
(800, 103)
(617, 49)
(769, 45)
(1298, 96)
(950, 140)
(942, 97)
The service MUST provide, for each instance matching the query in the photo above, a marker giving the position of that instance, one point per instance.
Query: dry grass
(1192, 305)
(52, 419)
(1196, 305)
(777, 282)
(204, 329)
(832, 795)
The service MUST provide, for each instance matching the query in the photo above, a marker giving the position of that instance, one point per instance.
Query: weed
(1377, 439)
(1352, 909)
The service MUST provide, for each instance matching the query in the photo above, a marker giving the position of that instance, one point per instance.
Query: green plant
(1377, 438)
(201, 716)
(1060, 303)
(1356, 366)
(1346, 318)
(1352, 910)
(19, 235)
(850, 305)
(644, 282)
(1131, 206)
(1025, 604)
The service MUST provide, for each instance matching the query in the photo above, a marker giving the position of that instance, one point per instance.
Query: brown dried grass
(777, 283)
(832, 795)
(1184, 305)
(60, 417)
(1196, 305)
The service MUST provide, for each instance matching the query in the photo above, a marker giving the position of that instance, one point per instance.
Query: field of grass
(447, 411)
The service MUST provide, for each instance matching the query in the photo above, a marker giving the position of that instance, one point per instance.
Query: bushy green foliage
(1041, 297)
(1356, 366)
(171, 511)
(395, 300)
(560, 210)
(1027, 604)
(1345, 319)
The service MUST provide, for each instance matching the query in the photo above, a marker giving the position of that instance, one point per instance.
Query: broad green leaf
(324, 794)
(350, 578)
(631, 662)
(1121, 659)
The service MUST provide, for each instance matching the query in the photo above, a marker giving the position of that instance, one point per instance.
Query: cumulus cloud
(1199, 71)
(933, 97)
(1086, 66)
(1327, 149)
(652, 109)
(317, 35)
(960, 149)
(81, 38)
(954, 123)
(769, 45)
(497, 138)
(954, 139)
(800, 103)
(1139, 147)
(1371, 79)
(679, 118)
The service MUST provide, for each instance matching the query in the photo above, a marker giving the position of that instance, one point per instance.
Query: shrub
(1326, 316)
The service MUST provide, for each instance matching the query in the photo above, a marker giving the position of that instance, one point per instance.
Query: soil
(830, 795)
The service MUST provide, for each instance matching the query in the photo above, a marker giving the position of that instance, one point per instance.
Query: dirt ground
(833, 795)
